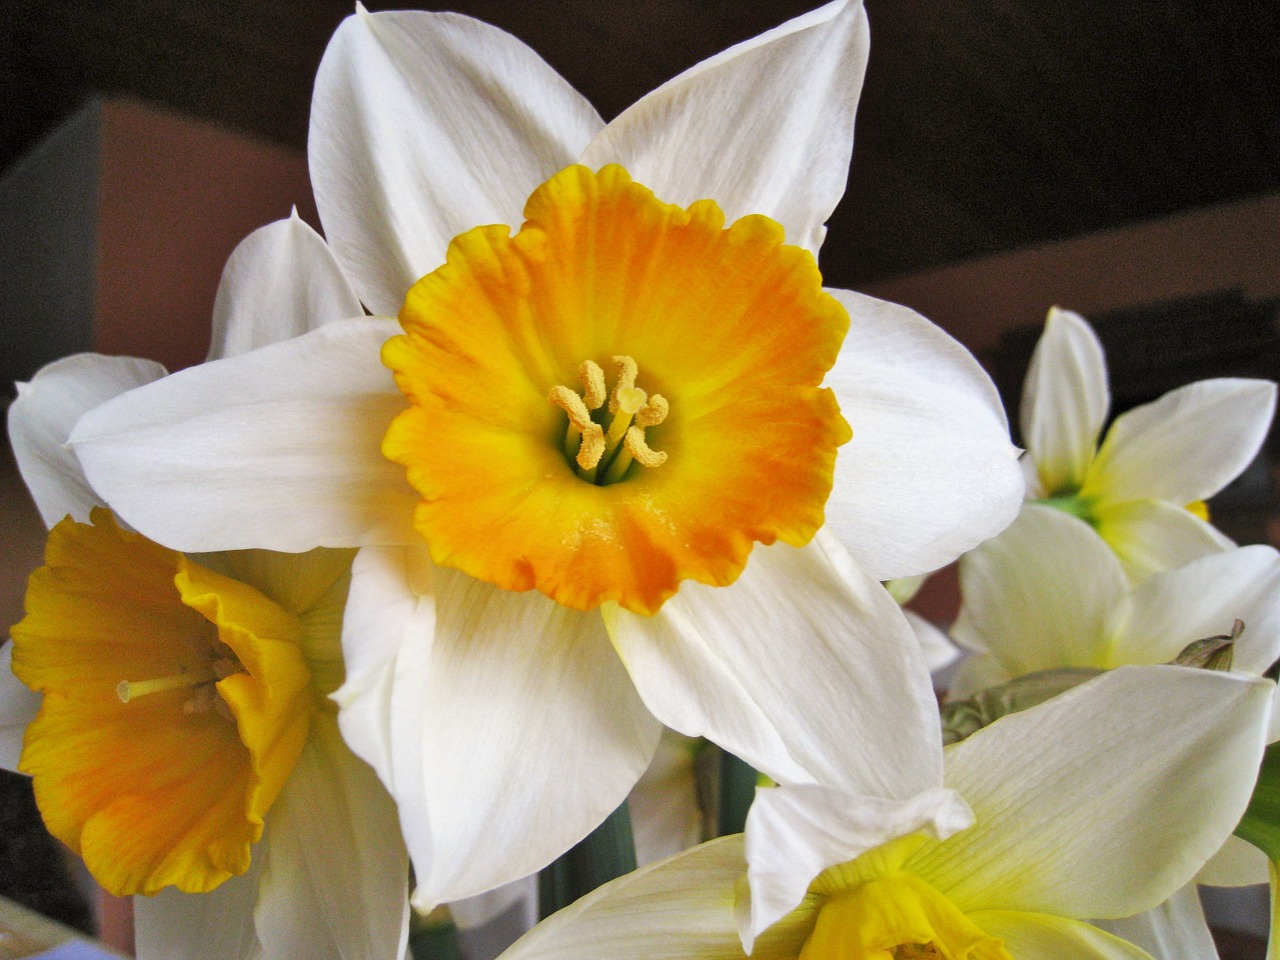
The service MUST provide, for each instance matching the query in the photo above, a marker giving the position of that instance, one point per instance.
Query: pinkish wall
(176, 196)
(1235, 245)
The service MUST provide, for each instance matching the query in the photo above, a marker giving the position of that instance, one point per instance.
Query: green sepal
(606, 853)
(1260, 824)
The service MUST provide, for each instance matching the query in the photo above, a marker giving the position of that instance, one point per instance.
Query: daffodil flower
(602, 486)
(1144, 489)
(184, 743)
(1048, 593)
(1099, 803)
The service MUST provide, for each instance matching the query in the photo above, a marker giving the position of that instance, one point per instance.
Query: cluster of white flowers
(380, 585)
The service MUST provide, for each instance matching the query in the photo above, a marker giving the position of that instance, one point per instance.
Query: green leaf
(608, 852)
(1260, 824)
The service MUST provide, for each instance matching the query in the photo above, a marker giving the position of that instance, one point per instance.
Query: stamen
(579, 417)
(654, 412)
(592, 448)
(627, 372)
(593, 387)
(128, 690)
(639, 449)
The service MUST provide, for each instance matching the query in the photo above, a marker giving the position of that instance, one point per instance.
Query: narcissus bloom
(1144, 488)
(185, 743)
(608, 479)
(1099, 803)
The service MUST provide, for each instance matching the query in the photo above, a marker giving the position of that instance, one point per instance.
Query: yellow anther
(571, 404)
(627, 373)
(594, 390)
(592, 448)
(639, 449)
(653, 412)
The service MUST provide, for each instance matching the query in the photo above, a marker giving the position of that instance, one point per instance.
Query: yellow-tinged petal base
(897, 917)
(729, 326)
(169, 788)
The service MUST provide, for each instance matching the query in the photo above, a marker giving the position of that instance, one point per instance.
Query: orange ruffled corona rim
(176, 703)
(621, 396)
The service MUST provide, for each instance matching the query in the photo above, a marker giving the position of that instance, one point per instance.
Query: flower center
(214, 661)
(536, 473)
(897, 917)
(605, 442)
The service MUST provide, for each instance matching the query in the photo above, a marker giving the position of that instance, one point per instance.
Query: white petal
(937, 647)
(930, 471)
(423, 126)
(804, 667)
(763, 127)
(18, 706)
(1153, 535)
(278, 449)
(41, 418)
(1238, 864)
(1038, 936)
(1175, 930)
(1106, 799)
(1185, 446)
(678, 909)
(335, 873)
(280, 282)
(386, 646)
(665, 815)
(1202, 599)
(1064, 401)
(977, 672)
(795, 832)
(521, 730)
(1039, 596)
(197, 926)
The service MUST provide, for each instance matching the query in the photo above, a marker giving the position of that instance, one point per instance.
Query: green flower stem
(431, 939)
(737, 789)
(609, 851)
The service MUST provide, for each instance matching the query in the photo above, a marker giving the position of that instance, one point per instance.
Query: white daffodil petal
(18, 706)
(1153, 535)
(335, 873)
(1187, 445)
(1064, 401)
(1106, 799)
(665, 815)
(1175, 930)
(937, 647)
(977, 672)
(794, 832)
(279, 448)
(280, 282)
(424, 125)
(1203, 599)
(673, 910)
(763, 127)
(196, 926)
(515, 690)
(386, 645)
(43, 415)
(1238, 864)
(804, 667)
(1038, 936)
(930, 471)
(1038, 596)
